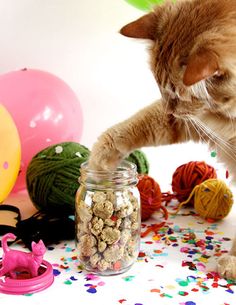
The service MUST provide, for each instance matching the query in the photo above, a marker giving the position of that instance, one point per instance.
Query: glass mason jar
(108, 219)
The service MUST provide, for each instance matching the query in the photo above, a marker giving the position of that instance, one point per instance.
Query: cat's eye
(226, 99)
(220, 76)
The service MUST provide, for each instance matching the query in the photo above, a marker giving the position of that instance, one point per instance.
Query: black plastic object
(49, 228)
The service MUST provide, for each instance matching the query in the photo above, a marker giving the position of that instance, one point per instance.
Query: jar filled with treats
(108, 219)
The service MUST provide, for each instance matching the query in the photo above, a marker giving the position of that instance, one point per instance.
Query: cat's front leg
(151, 126)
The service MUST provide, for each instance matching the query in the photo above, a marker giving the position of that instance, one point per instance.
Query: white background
(79, 41)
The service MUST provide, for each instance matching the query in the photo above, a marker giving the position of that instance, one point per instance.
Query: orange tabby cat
(193, 59)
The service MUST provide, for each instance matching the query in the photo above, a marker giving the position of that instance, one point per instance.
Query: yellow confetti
(203, 259)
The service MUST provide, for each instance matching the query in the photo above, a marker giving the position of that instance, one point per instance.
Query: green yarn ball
(139, 158)
(52, 177)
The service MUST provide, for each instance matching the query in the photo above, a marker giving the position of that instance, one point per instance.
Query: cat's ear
(201, 65)
(144, 27)
(33, 244)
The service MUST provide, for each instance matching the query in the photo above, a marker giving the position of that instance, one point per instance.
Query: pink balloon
(45, 109)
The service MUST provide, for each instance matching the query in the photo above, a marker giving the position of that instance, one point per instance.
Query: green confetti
(167, 295)
(129, 278)
(68, 282)
(183, 283)
(213, 154)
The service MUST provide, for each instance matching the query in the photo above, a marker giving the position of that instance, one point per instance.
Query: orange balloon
(10, 153)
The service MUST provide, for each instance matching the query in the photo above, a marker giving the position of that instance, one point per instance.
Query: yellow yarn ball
(212, 199)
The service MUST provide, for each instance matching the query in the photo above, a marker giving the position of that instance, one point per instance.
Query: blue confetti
(68, 249)
(91, 290)
(230, 291)
(56, 272)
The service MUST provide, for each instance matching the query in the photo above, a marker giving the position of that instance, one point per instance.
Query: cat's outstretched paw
(105, 154)
(226, 267)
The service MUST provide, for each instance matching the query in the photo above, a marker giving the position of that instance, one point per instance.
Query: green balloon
(144, 5)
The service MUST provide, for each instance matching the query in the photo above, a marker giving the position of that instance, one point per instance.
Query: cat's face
(193, 55)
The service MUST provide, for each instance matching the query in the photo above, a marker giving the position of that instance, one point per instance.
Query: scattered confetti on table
(176, 266)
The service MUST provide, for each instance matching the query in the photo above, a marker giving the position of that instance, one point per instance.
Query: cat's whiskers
(199, 90)
(215, 135)
(200, 130)
(166, 105)
(202, 139)
(187, 129)
(216, 139)
(231, 118)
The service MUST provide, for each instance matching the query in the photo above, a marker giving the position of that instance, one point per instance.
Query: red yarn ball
(188, 175)
(150, 194)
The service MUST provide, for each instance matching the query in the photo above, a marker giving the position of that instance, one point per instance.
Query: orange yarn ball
(150, 194)
(188, 175)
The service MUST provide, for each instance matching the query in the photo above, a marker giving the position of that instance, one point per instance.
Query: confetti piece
(155, 290)
(68, 249)
(227, 174)
(56, 272)
(166, 295)
(129, 278)
(92, 290)
(213, 154)
(183, 283)
(161, 266)
(68, 282)
(183, 293)
(122, 301)
(230, 291)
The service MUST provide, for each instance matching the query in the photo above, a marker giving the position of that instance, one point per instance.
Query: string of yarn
(150, 194)
(52, 177)
(186, 177)
(212, 199)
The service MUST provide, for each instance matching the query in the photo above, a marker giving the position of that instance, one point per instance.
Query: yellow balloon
(10, 153)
